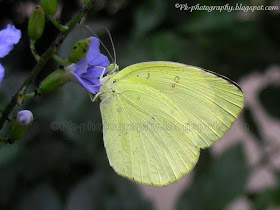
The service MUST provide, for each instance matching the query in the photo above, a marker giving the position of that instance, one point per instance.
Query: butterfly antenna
(88, 28)
(111, 39)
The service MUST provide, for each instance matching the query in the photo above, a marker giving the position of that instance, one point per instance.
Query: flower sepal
(79, 50)
(55, 80)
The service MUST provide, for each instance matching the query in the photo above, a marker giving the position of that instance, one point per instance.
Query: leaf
(224, 181)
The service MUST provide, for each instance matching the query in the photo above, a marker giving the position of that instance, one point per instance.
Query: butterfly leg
(93, 98)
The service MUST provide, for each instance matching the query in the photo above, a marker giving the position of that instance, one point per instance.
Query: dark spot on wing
(148, 76)
(173, 85)
(119, 109)
(176, 79)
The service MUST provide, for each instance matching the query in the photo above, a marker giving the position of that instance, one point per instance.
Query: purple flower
(8, 37)
(88, 70)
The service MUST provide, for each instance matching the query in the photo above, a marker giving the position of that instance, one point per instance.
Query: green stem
(33, 50)
(61, 60)
(43, 60)
(29, 95)
(60, 27)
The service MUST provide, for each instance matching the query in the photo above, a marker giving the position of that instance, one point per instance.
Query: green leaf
(222, 182)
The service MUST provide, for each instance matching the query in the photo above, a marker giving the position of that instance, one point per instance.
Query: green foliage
(219, 184)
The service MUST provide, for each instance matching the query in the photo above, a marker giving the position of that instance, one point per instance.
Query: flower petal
(88, 84)
(2, 71)
(93, 72)
(81, 66)
(95, 58)
(8, 37)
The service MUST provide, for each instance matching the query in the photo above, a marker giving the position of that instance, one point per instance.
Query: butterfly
(157, 116)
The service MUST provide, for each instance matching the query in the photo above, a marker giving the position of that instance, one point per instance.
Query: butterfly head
(112, 68)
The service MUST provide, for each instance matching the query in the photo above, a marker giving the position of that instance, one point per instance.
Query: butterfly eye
(79, 50)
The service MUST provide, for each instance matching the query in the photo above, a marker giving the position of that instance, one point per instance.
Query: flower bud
(56, 79)
(36, 23)
(49, 6)
(18, 127)
(24, 117)
(79, 50)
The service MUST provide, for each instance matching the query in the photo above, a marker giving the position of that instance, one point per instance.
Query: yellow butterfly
(158, 115)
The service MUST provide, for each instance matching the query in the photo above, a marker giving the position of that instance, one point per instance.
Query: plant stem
(29, 95)
(61, 60)
(43, 60)
(33, 50)
(60, 27)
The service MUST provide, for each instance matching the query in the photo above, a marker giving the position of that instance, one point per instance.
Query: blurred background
(66, 167)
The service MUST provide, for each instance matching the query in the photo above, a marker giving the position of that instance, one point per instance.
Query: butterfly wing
(159, 115)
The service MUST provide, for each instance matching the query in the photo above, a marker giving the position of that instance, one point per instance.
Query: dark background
(68, 168)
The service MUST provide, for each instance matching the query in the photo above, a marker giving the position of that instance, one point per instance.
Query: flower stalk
(59, 26)
(33, 50)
